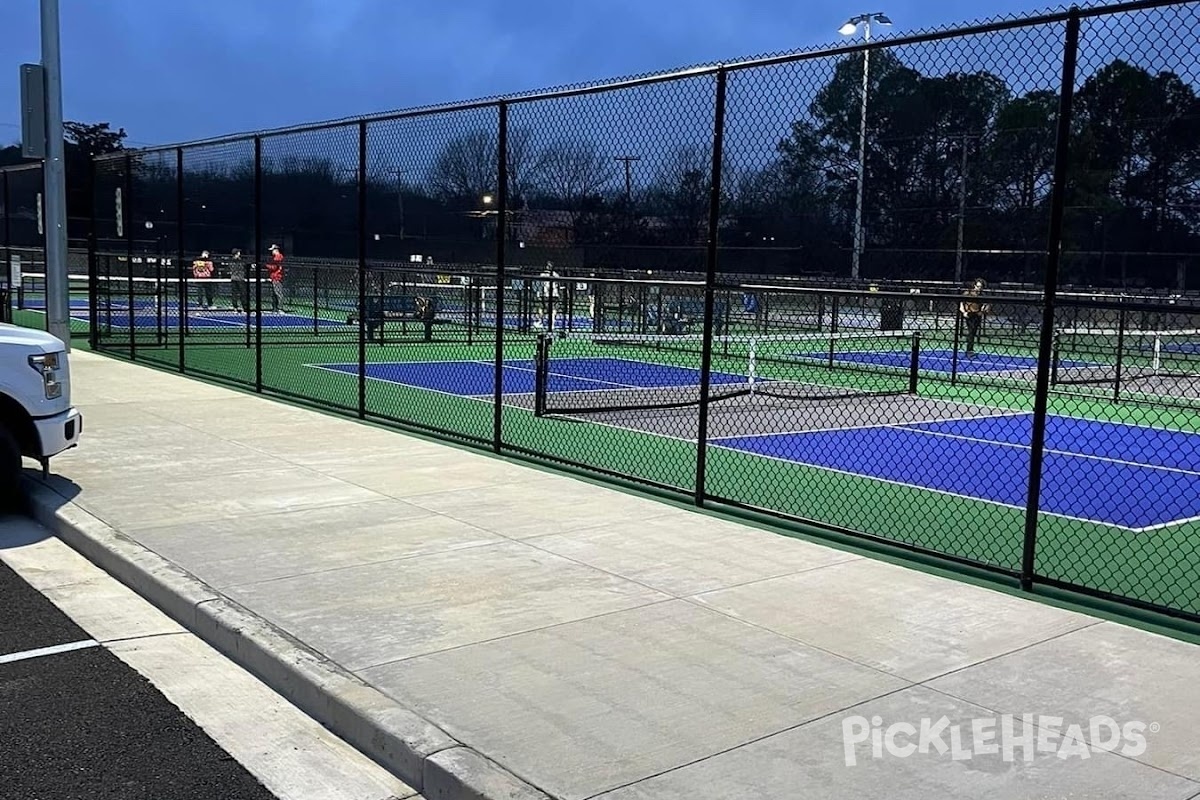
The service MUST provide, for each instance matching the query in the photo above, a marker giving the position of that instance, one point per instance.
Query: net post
(469, 308)
(1053, 261)
(620, 307)
(127, 207)
(1121, 355)
(599, 292)
(569, 323)
(501, 232)
(1157, 360)
(833, 315)
(362, 273)
(710, 279)
(541, 375)
(954, 349)
(1055, 357)
(915, 363)
(752, 363)
(179, 207)
(316, 281)
(728, 319)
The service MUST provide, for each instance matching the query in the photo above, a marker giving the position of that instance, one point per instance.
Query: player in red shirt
(274, 269)
(202, 270)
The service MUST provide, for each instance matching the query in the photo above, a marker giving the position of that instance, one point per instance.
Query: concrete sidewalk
(486, 629)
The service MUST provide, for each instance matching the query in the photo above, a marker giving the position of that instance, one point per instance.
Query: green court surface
(1126, 538)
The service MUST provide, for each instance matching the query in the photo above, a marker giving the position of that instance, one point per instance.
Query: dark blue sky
(168, 70)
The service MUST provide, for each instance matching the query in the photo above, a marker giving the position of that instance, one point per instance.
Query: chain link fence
(933, 292)
(22, 246)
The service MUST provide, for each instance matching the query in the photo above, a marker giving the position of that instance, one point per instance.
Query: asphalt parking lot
(81, 723)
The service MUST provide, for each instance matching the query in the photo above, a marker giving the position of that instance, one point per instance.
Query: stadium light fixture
(849, 29)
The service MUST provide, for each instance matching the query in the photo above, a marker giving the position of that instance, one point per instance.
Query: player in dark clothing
(973, 311)
(237, 283)
(425, 312)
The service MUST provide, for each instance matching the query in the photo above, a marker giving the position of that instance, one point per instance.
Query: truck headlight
(44, 361)
(47, 364)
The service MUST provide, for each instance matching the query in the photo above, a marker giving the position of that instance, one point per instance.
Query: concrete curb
(412, 748)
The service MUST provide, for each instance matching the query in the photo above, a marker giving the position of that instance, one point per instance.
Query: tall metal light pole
(849, 29)
(58, 320)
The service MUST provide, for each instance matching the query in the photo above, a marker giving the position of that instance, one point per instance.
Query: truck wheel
(10, 471)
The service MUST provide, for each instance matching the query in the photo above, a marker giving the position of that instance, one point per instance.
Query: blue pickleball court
(1124, 475)
(477, 378)
(1128, 476)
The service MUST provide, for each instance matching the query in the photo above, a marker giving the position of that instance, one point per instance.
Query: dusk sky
(177, 70)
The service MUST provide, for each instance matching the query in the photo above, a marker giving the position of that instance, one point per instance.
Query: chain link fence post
(710, 279)
(1053, 261)
(501, 234)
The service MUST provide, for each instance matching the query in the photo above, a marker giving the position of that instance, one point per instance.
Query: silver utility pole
(850, 27)
(862, 159)
(55, 176)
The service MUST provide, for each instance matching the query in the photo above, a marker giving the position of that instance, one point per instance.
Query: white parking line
(49, 651)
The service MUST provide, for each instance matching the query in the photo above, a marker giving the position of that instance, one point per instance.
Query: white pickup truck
(36, 417)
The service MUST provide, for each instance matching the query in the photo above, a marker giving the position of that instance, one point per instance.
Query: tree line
(946, 155)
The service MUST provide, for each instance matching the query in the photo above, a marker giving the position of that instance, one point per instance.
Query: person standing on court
(426, 311)
(202, 270)
(237, 282)
(274, 269)
(973, 310)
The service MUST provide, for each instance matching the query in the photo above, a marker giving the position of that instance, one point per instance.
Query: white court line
(48, 651)
(1164, 525)
(871, 426)
(508, 365)
(1071, 453)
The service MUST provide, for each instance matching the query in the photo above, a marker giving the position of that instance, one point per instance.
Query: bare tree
(526, 164)
(573, 170)
(466, 168)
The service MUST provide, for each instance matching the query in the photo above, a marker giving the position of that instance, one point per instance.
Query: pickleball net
(1106, 355)
(152, 301)
(1160, 365)
(579, 374)
(125, 293)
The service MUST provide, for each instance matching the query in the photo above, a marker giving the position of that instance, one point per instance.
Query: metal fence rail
(654, 280)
